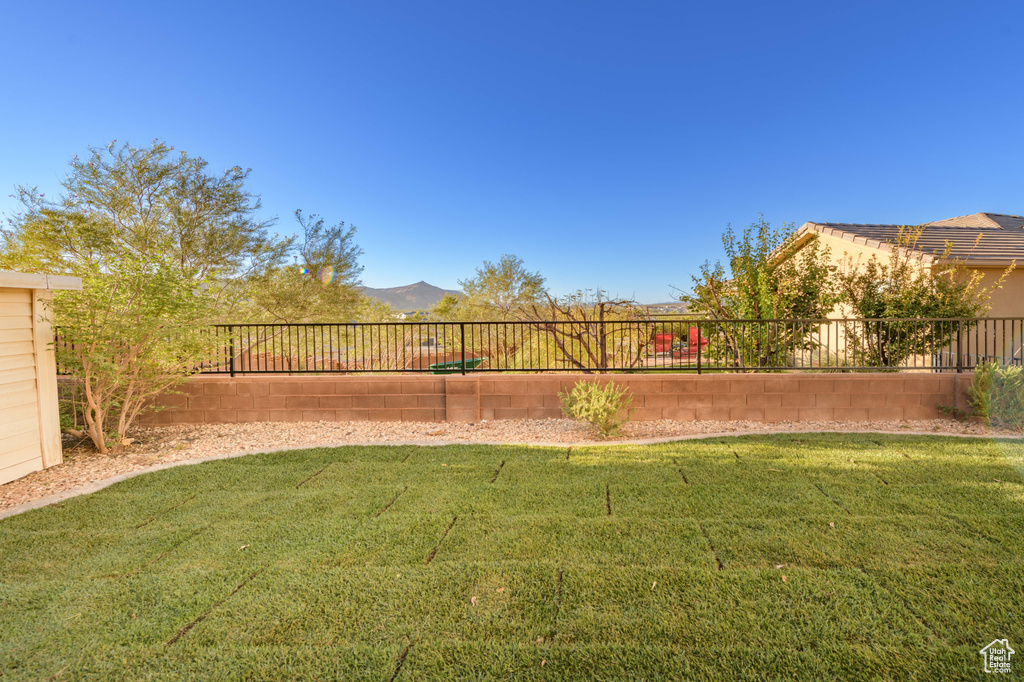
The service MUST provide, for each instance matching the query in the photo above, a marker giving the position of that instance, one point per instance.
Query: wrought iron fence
(651, 345)
(616, 346)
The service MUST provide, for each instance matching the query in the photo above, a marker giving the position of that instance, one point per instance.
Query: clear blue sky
(606, 144)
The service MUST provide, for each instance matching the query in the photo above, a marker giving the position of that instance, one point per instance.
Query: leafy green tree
(129, 336)
(448, 309)
(321, 286)
(145, 201)
(498, 291)
(161, 245)
(771, 277)
(895, 293)
(370, 309)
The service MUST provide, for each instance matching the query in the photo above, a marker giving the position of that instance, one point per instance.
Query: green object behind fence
(455, 366)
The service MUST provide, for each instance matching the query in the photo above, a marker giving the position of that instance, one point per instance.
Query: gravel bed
(166, 444)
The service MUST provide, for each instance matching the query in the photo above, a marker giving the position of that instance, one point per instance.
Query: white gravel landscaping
(162, 445)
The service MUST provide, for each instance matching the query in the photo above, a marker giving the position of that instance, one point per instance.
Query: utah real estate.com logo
(997, 656)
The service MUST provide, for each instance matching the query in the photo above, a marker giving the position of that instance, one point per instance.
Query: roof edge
(27, 280)
(854, 238)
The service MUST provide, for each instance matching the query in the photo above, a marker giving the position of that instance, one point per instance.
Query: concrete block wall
(223, 400)
(457, 398)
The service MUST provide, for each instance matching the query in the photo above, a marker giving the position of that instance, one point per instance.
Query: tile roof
(995, 220)
(1001, 237)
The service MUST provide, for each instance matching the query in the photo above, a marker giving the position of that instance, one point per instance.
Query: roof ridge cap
(979, 216)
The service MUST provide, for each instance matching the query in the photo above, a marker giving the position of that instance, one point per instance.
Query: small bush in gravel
(606, 408)
(997, 395)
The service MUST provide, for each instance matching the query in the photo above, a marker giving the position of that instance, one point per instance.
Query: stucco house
(985, 242)
(1001, 243)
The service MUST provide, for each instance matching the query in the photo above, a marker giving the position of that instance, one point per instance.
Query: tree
(892, 296)
(771, 277)
(161, 245)
(589, 330)
(142, 201)
(449, 309)
(322, 285)
(498, 291)
(370, 309)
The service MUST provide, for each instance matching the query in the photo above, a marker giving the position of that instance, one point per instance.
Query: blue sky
(607, 144)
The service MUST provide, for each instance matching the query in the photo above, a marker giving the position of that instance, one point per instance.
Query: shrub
(997, 395)
(606, 408)
(772, 275)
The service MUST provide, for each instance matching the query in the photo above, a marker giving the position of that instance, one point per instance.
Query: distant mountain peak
(418, 296)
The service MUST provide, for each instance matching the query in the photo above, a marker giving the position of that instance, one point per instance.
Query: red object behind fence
(663, 342)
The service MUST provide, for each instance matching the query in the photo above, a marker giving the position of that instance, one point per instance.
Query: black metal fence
(698, 346)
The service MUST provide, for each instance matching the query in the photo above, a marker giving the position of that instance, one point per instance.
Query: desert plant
(606, 408)
(997, 395)
(978, 393)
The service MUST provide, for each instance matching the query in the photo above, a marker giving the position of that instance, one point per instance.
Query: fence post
(699, 344)
(959, 353)
(231, 349)
(462, 344)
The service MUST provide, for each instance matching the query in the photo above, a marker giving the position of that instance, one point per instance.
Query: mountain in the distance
(418, 296)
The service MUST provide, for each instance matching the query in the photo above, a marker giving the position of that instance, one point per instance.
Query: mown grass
(825, 556)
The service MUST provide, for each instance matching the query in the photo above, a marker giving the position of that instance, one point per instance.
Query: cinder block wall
(756, 397)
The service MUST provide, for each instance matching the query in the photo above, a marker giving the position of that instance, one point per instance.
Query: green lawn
(900, 558)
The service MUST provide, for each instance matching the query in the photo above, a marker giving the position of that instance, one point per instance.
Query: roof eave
(28, 280)
(989, 262)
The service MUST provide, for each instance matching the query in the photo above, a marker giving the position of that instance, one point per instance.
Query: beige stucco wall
(841, 250)
(1009, 300)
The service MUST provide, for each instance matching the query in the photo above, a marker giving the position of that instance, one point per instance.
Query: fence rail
(615, 346)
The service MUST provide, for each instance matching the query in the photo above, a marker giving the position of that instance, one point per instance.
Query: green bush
(997, 395)
(606, 408)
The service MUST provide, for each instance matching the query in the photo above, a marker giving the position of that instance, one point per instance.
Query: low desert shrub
(997, 395)
(606, 408)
